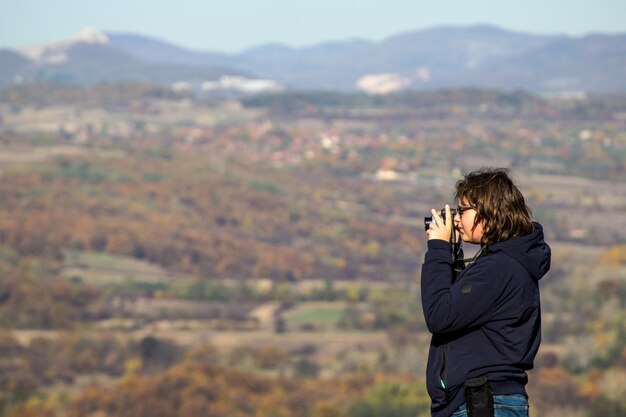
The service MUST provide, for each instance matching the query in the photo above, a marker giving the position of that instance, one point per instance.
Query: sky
(234, 25)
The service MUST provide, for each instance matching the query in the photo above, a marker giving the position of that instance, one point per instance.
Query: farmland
(278, 240)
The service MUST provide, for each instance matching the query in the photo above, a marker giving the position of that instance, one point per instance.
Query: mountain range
(442, 57)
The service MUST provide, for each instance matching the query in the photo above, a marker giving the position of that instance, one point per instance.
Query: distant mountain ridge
(90, 58)
(441, 57)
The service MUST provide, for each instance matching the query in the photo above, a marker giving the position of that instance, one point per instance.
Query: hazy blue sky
(233, 25)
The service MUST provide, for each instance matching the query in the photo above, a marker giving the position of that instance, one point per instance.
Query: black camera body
(456, 251)
(428, 220)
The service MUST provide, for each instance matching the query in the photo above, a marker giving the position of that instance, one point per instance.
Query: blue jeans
(504, 406)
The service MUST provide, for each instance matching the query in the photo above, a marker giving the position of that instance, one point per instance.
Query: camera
(456, 251)
(428, 220)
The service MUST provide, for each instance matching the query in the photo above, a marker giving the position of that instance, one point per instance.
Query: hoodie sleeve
(467, 302)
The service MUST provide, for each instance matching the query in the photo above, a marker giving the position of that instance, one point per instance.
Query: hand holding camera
(440, 225)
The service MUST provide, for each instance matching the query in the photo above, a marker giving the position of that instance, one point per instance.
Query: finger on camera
(436, 216)
(448, 214)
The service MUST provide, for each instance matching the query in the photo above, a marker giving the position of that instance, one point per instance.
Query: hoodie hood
(531, 251)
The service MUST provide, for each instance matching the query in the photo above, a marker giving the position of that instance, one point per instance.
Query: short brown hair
(499, 204)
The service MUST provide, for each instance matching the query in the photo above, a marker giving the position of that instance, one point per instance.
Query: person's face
(464, 223)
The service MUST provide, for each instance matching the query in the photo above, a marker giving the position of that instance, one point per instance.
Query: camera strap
(458, 263)
(471, 261)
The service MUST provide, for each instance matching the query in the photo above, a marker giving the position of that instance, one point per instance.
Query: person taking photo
(485, 316)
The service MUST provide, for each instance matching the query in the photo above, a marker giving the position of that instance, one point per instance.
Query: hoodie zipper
(444, 368)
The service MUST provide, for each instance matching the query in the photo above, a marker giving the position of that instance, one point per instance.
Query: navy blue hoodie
(487, 321)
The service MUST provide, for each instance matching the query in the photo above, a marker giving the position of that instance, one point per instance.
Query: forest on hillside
(162, 254)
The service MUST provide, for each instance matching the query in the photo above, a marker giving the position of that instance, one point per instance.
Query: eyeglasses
(461, 209)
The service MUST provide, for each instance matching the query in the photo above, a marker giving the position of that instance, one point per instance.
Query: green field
(318, 314)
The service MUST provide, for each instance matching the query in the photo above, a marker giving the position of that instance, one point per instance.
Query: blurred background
(216, 209)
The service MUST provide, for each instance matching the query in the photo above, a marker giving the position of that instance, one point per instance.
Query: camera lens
(427, 221)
